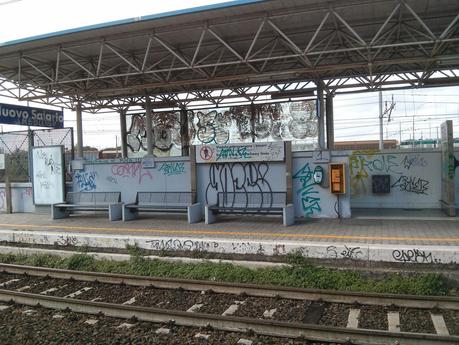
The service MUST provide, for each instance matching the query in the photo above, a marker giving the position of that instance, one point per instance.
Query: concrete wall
(22, 197)
(415, 181)
(170, 174)
(415, 178)
(316, 201)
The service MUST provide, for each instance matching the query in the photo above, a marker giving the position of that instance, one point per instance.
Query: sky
(356, 115)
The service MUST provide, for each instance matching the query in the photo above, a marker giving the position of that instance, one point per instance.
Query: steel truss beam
(403, 46)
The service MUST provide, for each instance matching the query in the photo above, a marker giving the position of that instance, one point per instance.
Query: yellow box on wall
(337, 178)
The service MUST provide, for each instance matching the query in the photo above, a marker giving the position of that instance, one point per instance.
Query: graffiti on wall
(411, 184)
(413, 161)
(403, 168)
(131, 170)
(86, 180)
(280, 121)
(51, 165)
(310, 200)
(172, 168)
(245, 178)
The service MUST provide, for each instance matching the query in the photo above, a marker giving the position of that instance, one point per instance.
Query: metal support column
(8, 195)
(253, 111)
(381, 122)
(123, 131)
(330, 122)
(288, 171)
(148, 126)
(184, 134)
(193, 172)
(79, 127)
(321, 115)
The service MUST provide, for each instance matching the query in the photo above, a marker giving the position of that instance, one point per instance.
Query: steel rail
(228, 323)
(333, 296)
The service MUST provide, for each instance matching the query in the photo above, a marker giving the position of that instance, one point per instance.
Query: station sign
(27, 116)
(337, 178)
(250, 152)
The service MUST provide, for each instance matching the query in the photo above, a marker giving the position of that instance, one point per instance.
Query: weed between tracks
(299, 274)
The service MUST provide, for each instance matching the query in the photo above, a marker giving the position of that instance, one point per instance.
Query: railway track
(318, 315)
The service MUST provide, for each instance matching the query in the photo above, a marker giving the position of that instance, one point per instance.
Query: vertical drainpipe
(79, 125)
(123, 131)
(149, 124)
(252, 121)
(330, 122)
(321, 114)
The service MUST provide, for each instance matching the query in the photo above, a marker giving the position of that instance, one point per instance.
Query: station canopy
(239, 50)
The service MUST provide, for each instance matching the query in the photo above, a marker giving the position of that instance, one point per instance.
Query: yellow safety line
(233, 233)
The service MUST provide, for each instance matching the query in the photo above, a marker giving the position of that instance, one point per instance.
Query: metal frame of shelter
(244, 51)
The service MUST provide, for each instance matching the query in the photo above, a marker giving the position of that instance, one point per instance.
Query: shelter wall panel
(415, 178)
(250, 177)
(22, 198)
(130, 178)
(312, 200)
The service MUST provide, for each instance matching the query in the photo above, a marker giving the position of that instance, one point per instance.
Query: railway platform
(422, 236)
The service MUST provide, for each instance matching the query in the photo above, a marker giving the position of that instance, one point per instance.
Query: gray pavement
(367, 226)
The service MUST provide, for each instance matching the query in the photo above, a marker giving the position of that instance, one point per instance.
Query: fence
(17, 149)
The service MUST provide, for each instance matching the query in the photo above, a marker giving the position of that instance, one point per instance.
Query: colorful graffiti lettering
(412, 184)
(86, 180)
(172, 169)
(310, 201)
(363, 164)
(131, 170)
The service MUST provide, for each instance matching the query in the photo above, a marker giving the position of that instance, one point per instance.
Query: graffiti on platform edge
(414, 256)
(353, 253)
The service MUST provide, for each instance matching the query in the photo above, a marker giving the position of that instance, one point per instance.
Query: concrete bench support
(288, 215)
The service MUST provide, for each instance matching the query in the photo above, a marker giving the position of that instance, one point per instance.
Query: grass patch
(301, 274)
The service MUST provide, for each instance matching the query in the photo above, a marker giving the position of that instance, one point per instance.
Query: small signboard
(2, 161)
(337, 178)
(27, 116)
(148, 162)
(251, 152)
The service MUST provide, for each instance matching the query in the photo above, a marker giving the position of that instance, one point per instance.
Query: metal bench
(167, 202)
(89, 201)
(251, 203)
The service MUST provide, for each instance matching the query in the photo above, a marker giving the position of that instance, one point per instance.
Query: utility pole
(382, 114)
